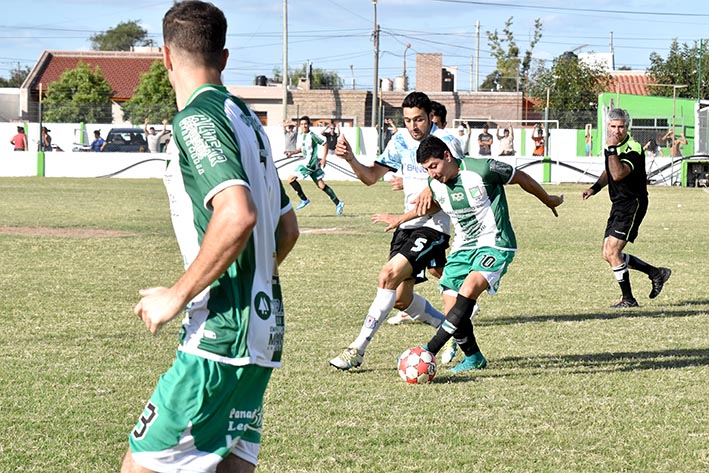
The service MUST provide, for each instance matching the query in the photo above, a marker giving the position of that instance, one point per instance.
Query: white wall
(146, 165)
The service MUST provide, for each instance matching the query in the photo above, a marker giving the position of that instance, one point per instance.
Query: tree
(80, 95)
(680, 68)
(121, 38)
(17, 77)
(320, 78)
(573, 89)
(511, 73)
(154, 98)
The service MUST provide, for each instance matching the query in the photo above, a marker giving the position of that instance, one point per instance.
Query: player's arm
(230, 227)
(596, 187)
(367, 174)
(424, 205)
(287, 234)
(619, 169)
(531, 186)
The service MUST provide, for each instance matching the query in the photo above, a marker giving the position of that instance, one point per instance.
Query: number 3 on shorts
(145, 420)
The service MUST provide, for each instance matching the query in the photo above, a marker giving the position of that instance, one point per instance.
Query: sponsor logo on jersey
(457, 196)
(201, 141)
(262, 305)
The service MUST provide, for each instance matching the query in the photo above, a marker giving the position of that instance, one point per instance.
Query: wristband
(596, 187)
(611, 150)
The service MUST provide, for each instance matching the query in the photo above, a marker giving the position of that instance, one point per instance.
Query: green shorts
(316, 174)
(490, 262)
(200, 411)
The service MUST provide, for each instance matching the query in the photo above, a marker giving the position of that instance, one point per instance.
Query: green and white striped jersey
(220, 143)
(475, 200)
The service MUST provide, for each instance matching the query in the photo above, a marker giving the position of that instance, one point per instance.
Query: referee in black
(627, 186)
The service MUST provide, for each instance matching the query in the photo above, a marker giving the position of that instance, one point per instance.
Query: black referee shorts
(625, 219)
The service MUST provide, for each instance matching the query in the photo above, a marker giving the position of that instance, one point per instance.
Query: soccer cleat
(340, 207)
(476, 361)
(401, 318)
(663, 274)
(625, 304)
(302, 204)
(349, 358)
(448, 351)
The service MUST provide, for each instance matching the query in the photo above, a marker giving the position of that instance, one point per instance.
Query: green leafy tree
(511, 70)
(681, 67)
(573, 88)
(121, 38)
(17, 77)
(80, 95)
(321, 79)
(154, 98)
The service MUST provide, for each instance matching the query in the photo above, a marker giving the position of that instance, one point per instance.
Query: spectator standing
(676, 143)
(485, 142)
(538, 138)
(20, 140)
(507, 141)
(589, 140)
(152, 137)
(290, 134)
(331, 134)
(464, 137)
(98, 144)
(46, 139)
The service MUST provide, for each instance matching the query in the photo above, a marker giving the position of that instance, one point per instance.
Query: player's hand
(423, 201)
(343, 149)
(397, 183)
(587, 193)
(323, 163)
(156, 307)
(392, 221)
(556, 200)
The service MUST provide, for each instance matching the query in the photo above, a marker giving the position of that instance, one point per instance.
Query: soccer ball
(417, 366)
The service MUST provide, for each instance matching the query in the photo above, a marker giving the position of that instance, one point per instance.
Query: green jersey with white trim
(220, 143)
(309, 143)
(476, 202)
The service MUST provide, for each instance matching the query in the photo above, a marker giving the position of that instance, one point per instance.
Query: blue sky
(336, 34)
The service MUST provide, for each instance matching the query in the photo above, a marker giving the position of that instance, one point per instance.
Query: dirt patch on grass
(64, 232)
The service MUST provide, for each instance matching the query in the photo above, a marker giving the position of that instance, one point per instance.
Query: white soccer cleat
(448, 351)
(401, 318)
(349, 358)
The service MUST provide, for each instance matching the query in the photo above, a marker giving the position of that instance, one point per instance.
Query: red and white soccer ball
(417, 366)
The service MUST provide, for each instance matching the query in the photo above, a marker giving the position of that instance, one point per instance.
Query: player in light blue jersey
(234, 225)
(419, 244)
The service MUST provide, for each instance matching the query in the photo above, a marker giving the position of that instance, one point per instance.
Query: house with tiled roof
(121, 69)
(629, 82)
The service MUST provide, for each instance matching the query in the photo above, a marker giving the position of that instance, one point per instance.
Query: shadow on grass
(584, 364)
(609, 314)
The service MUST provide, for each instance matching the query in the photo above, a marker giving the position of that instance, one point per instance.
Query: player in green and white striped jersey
(234, 225)
(471, 191)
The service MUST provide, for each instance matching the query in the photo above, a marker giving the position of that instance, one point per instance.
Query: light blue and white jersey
(400, 153)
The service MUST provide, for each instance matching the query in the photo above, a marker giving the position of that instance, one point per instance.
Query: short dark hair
(439, 110)
(306, 118)
(417, 100)
(199, 28)
(431, 147)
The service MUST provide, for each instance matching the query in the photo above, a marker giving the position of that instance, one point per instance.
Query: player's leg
(416, 306)
(293, 181)
(658, 276)
(391, 275)
(339, 205)
(130, 466)
(612, 253)
(234, 464)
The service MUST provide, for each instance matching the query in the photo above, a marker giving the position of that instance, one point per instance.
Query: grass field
(572, 386)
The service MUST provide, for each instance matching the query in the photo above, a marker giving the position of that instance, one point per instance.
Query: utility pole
(375, 91)
(477, 54)
(285, 60)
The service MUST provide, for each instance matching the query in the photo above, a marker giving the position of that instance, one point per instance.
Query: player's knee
(436, 272)
(388, 277)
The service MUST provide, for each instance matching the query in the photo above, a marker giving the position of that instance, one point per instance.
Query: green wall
(646, 107)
